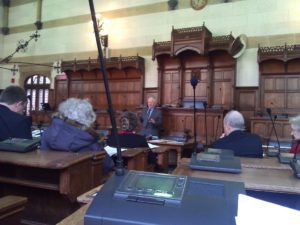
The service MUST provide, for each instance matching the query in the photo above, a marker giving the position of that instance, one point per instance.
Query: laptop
(19, 145)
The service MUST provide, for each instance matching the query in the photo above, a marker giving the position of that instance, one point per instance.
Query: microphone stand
(119, 161)
(272, 153)
(205, 123)
(194, 82)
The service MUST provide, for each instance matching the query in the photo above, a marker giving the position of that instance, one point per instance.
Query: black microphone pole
(119, 161)
(205, 122)
(273, 127)
(194, 82)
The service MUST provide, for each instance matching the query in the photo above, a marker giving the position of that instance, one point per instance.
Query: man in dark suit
(151, 119)
(13, 124)
(236, 139)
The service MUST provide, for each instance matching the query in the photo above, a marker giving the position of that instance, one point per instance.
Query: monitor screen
(163, 184)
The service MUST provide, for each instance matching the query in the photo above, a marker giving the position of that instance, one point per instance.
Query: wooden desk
(266, 175)
(51, 180)
(178, 146)
(264, 163)
(137, 158)
(11, 208)
(256, 179)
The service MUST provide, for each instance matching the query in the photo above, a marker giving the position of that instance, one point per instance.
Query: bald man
(236, 139)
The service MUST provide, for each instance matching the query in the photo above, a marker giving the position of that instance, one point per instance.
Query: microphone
(269, 153)
(217, 128)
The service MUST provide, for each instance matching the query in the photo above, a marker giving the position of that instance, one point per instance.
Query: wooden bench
(11, 208)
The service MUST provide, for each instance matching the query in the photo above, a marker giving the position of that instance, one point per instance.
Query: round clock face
(198, 4)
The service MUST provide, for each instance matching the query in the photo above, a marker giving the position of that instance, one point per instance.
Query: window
(37, 88)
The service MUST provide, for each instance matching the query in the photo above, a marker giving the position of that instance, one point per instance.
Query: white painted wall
(254, 18)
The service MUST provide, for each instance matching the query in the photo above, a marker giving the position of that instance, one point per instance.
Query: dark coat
(63, 136)
(150, 129)
(14, 125)
(242, 143)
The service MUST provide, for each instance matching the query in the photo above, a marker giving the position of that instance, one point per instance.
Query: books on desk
(19, 145)
(216, 162)
(255, 211)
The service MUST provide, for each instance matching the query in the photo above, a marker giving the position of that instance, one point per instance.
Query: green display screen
(156, 183)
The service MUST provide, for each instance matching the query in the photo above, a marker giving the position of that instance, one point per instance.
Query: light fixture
(102, 23)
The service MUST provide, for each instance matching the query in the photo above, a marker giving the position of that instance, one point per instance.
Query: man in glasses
(13, 124)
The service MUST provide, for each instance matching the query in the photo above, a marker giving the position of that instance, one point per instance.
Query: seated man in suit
(295, 127)
(128, 137)
(236, 139)
(13, 124)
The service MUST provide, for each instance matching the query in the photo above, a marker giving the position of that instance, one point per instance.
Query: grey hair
(235, 120)
(79, 110)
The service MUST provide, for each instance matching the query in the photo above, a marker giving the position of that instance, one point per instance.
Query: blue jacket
(14, 125)
(242, 143)
(63, 136)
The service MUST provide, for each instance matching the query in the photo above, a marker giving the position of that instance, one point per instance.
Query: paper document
(255, 211)
(152, 145)
(112, 150)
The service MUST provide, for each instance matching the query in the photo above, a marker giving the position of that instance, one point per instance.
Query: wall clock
(198, 4)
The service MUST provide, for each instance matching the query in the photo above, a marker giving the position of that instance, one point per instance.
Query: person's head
(14, 97)
(151, 102)
(233, 120)
(79, 110)
(128, 121)
(295, 126)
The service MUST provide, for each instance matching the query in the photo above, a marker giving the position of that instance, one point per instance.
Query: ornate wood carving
(283, 53)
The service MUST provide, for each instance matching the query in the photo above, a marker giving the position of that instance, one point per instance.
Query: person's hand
(223, 135)
(151, 120)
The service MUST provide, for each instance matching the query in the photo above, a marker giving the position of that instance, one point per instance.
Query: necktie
(149, 113)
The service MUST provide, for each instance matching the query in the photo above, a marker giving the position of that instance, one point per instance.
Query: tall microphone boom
(119, 161)
(269, 152)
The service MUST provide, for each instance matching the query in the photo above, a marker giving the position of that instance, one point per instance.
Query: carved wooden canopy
(198, 39)
(283, 53)
(120, 63)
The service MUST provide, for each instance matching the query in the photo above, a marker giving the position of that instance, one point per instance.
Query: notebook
(19, 145)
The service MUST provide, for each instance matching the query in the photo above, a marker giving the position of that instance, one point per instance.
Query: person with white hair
(71, 128)
(295, 132)
(151, 119)
(237, 139)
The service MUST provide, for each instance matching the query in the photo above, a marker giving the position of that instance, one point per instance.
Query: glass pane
(33, 99)
(47, 80)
